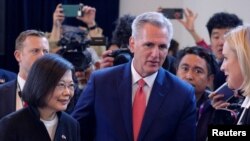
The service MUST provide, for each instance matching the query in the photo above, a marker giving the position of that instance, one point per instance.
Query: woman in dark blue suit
(46, 93)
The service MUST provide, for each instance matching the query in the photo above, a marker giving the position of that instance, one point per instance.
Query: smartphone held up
(172, 13)
(70, 10)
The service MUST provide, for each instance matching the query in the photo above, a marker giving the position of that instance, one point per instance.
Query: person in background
(139, 100)
(174, 48)
(120, 39)
(218, 25)
(83, 77)
(236, 52)
(6, 76)
(30, 45)
(88, 25)
(122, 32)
(169, 63)
(47, 91)
(198, 67)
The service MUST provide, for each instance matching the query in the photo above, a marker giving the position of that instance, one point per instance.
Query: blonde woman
(236, 66)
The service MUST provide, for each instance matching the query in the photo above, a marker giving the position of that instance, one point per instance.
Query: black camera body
(121, 56)
(74, 46)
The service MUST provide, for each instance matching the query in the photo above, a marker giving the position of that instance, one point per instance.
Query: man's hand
(106, 61)
(188, 23)
(58, 16)
(88, 16)
(189, 20)
(217, 101)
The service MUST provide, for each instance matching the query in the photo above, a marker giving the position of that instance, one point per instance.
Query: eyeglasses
(63, 86)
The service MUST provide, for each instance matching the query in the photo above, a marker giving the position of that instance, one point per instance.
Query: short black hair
(43, 77)
(174, 47)
(201, 52)
(223, 20)
(123, 30)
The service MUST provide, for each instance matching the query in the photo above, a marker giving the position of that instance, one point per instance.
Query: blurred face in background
(231, 68)
(217, 42)
(83, 77)
(32, 48)
(193, 69)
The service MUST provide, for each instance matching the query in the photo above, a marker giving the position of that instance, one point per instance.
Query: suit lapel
(125, 98)
(157, 96)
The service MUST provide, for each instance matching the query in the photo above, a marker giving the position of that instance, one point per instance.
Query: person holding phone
(236, 51)
(88, 18)
(197, 66)
(88, 24)
(217, 26)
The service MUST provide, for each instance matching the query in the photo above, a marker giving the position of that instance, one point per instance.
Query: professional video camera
(122, 55)
(74, 44)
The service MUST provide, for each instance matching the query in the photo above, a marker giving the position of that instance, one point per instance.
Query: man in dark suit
(30, 45)
(198, 67)
(6, 76)
(108, 108)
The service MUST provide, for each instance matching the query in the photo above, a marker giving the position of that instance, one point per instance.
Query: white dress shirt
(149, 81)
(20, 85)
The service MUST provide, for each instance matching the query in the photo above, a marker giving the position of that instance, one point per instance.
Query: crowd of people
(160, 93)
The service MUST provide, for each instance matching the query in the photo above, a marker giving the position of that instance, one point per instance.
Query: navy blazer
(6, 76)
(25, 125)
(104, 110)
(8, 97)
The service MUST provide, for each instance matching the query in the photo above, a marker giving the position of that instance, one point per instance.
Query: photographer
(88, 19)
(73, 43)
(119, 43)
(92, 30)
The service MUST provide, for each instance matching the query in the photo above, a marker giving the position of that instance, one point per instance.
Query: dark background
(19, 15)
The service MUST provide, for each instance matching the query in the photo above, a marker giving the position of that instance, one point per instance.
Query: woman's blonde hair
(239, 42)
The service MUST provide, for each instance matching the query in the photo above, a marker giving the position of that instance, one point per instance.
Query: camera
(74, 44)
(122, 55)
